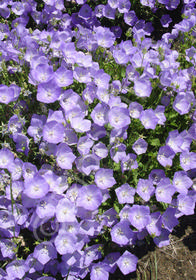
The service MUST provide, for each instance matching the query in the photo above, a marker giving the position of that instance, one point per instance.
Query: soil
(176, 261)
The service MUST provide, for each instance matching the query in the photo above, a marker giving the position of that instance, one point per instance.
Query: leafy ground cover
(98, 139)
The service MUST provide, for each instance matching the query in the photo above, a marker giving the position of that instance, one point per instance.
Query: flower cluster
(98, 135)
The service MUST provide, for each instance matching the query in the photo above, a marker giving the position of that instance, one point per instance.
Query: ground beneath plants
(176, 261)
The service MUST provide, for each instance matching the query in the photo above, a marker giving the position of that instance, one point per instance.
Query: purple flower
(165, 156)
(6, 158)
(186, 141)
(139, 216)
(117, 30)
(46, 206)
(99, 271)
(37, 187)
(125, 194)
(124, 213)
(36, 128)
(149, 3)
(169, 220)
(6, 219)
(34, 264)
(129, 162)
(182, 104)
(65, 157)
(188, 160)
(99, 9)
(121, 233)
(165, 20)
(99, 114)
(127, 263)
(6, 94)
(155, 227)
(82, 75)
(65, 211)
(48, 92)
(101, 79)
(145, 188)
(113, 3)
(15, 124)
(88, 163)
(117, 152)
(16, 269)
(140, 146)
(159, 112)
(142, 87)
(43, 73)
(17, 188)
(97, 132)
(105, 38)
(149, 119)
(174, 141)
(135, 110)
(104, 178)
(63, 77)
(65, 243)
(22, 143)
(85, 12)
(53, 132)
(84, 144)
(80, 125)
(182, 182)
(111, 259)
(120, 56)
(7, 248)
(100, 150)
(164, 191)
(156, 175)
(89, 197)
(130, 18)
(89, 94)
(44, 252)
(124, 6)
(163, 238)
(119, 117)
(29, 170)
(185, 204)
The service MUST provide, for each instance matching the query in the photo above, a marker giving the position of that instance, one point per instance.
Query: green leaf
(155, 142)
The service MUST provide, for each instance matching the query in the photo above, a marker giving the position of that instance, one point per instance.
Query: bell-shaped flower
(65, 157)
(119, 117)
(139, 216)
(65, 211)
(44, 252)
(188, 160)
(164, 191)
(140, 146)
(145, 189)
(65, 243)
(6, 158)
(127, 263)
(182, 182)
(89, 197)
(53, 132)
(16, 269)
(165, 156)
(155, 226)
(149, 119)
(169, 219)
(121, 233)
(37, 187)
(48, 92)
(104, 178)
(125, 194)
